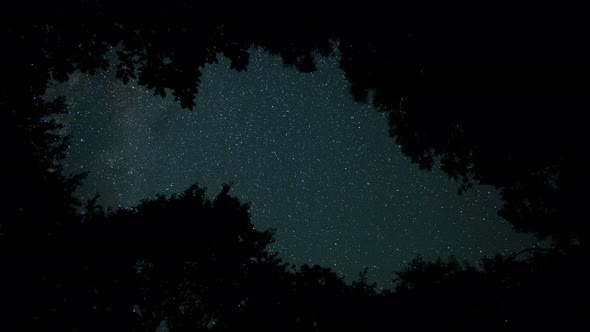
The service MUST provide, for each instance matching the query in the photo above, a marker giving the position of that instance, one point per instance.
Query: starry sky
(315, 165)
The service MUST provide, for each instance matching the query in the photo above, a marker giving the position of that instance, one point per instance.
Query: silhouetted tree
(199, 264)
(516, 127)
(512, 292)
(38, 203)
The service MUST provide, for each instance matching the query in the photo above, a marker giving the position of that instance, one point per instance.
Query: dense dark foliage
(199, 264)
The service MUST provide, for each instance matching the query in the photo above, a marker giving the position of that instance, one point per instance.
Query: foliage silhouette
(199, 264)
(508, 293)
(516, 127)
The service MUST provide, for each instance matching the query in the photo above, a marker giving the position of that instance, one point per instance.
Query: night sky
(316, 166)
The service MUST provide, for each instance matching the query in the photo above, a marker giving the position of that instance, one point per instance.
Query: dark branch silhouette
(193, 263)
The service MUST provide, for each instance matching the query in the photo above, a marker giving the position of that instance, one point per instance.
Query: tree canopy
(515, 126)
(199, 264)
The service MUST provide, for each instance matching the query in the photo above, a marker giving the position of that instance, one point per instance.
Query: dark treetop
(196, 263)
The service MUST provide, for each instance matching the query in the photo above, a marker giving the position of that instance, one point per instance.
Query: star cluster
(316, 166)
